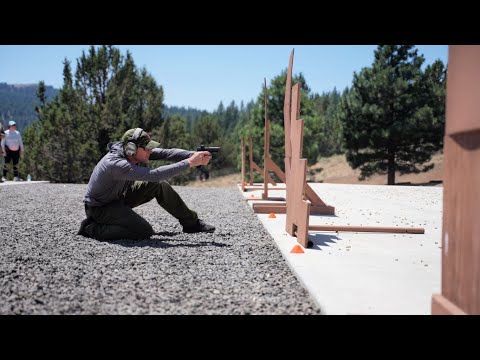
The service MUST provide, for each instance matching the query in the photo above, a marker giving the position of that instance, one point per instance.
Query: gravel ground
(46, 268)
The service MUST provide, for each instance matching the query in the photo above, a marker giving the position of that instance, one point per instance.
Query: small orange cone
(297, 249)
(272, 216)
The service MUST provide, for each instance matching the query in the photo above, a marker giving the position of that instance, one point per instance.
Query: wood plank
(321, 210)
(442, 306)
(366, 229)
(286, 111)
(276, 208)
(270, 198)
(463, 99)
(276, 169)
(260, 187)
(461, 190)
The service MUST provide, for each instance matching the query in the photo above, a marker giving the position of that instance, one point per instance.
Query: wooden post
(287, 103)
(268, 163)
(461, 186)
(266, 143)
(298, 207)
(291, 110)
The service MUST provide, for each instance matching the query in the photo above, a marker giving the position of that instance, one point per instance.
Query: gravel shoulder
(46, 268)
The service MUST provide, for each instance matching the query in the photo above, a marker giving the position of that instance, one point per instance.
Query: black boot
(83, 225)
(200, 226)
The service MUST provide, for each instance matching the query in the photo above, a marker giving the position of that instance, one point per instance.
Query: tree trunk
(391, 167)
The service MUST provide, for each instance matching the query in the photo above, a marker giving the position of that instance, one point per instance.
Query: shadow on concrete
(322, 240)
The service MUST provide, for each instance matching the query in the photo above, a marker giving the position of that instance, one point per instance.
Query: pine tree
(173, 134)
(109, 96)
(392, 115)
(231, 118)
(207, 131)
(275, 97)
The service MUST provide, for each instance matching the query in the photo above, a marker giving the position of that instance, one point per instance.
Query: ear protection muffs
(131, 146)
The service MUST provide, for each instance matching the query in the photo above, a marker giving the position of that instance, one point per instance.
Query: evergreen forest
(390, 119)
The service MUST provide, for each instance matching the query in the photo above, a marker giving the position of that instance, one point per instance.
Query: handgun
(210, 149)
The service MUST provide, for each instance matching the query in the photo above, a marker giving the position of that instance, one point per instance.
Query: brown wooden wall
(461, 194)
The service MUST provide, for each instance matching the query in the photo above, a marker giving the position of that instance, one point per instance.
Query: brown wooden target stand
(268, 164)
(317, 205)
(461, 186)
(301, 198)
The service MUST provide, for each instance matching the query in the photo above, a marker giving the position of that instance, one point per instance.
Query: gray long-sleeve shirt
(114, 173)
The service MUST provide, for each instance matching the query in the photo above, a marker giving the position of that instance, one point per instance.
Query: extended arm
(124, 170)
(170, 154)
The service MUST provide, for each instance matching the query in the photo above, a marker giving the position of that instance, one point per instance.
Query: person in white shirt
(13, 148)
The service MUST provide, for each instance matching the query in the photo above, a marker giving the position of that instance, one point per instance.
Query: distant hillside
(18, 101)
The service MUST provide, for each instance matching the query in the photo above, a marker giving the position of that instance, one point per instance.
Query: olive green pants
(117, 220)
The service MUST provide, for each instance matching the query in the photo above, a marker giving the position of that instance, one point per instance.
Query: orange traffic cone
(297, 249)
(272, 216)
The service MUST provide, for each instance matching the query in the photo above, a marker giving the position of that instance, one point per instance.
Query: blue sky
(201, 76)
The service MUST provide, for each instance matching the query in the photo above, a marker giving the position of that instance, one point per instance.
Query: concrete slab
(368, 273)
